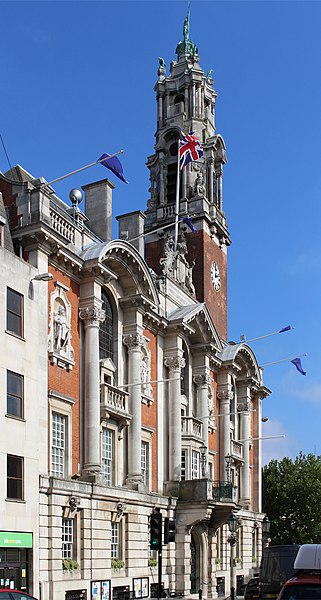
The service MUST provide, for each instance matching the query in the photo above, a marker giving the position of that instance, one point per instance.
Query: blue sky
(77, 80)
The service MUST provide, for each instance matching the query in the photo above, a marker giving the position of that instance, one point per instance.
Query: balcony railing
(222, 490)
(191, 427)
(237, 450)
(113, 401)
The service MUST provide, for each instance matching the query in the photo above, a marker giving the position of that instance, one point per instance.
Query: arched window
(106, 329)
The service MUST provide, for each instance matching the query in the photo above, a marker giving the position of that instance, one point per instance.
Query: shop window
(14, 477)
(58, 445)
(14, 395)
(14, 312)
(106, 329)
(107, 452)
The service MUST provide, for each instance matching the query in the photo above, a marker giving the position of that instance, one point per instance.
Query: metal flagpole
(82, 168)
(260, 337)
(177, 199)
(276, 362)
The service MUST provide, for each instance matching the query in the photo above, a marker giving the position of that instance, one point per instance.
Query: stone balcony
(237, 451)
(114, 405)
(191, 429)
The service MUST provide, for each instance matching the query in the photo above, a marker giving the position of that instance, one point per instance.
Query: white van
(306, 585)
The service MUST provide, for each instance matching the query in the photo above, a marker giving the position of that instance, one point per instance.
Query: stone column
(220, 188)
(175, 364)
(134, 343)
(203, 381)
(91, 315)
(160, 110)
(244, 404)
(210, 183)
(161, 183)
(225, 395)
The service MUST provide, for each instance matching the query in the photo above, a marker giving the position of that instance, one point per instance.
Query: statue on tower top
(186, 48)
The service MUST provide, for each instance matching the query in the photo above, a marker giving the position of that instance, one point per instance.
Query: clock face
(215, 276)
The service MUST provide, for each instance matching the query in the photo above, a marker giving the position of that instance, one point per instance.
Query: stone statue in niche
(145, 374)
(189, 278)
(61, 329)
(60, 350)
(167, 263)
(199, 188)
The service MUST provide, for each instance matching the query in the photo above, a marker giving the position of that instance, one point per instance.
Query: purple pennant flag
(288, 328)
(114, 165)
(188, 222)
(298, 365)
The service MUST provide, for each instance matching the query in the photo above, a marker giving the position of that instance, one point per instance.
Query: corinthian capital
(175, 363)
(225, 393)
(203, 380)
(133, 340)
(92, 315)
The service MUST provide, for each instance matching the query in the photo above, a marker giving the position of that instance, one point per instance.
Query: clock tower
(186, 102)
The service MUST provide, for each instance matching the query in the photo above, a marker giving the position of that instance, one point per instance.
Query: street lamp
(233, 526)
(228, 461)
(266, 526)
(40, 277)
(203, 451)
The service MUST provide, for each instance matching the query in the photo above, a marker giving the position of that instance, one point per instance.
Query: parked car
(252, 589)
(6, 594)
(306, 584)
(302, 587)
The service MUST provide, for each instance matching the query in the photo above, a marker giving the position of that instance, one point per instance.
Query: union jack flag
(190, 148)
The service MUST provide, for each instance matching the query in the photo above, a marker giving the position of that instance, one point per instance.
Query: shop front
(15, 560)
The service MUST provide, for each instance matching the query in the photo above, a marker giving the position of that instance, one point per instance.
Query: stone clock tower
(186, 102)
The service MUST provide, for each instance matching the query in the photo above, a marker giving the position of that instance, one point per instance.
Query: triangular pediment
(197, 322)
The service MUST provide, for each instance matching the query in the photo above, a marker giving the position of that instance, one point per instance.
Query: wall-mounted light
(40, 277)
(264, 419)
(43, 277)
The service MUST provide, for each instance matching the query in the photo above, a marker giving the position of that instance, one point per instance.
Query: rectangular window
(195, 465)
(183, 465)
(107, 454)
(14, 477)
(14, 394)
(115, 540)
(67, 538)
(144, 461)
(58, 445)
(14, 312)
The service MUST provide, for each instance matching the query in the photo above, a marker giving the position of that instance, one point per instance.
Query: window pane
(14, 311)
(14, 477)
(67, 538)
(115, 549)
(58, 448)
(143, 460)
(14, 394)
(106, 330)
(107, 454)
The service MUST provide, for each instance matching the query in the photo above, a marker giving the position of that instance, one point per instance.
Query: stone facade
(136, 399)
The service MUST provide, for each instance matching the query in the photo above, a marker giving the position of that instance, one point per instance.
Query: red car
(302, 587)
(6, 594)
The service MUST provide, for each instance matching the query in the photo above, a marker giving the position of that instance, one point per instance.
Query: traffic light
(169, 530)
(155, 529)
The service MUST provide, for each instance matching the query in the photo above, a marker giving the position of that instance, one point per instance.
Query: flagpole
(177, 200)
(260, 337)
(82, 168)
(276, 362)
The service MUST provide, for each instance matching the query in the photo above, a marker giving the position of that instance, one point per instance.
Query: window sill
(21, 419)
(15, 500)
(16, 335)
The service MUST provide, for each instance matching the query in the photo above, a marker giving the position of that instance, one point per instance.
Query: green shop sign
(9, 539)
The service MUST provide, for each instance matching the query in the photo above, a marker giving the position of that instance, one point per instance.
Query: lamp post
(232, 525)
(228, 462)
(203, 451)
(266, 525)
